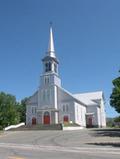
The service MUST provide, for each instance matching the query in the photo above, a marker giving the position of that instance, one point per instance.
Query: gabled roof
(76, 99)
(33, 99)
(89, 98)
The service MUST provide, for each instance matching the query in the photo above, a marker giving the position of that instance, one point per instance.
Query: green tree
(8, 110)
(21, 108)
(117, 119)
(110, 122)
(115, 96)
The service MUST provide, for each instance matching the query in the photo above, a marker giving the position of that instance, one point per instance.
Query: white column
(56, 117)
(55, 97)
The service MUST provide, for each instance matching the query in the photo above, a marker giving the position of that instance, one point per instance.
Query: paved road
(82, 144)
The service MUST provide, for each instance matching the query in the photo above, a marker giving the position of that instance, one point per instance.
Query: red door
(33, 121)
(90, 121)
(65, 119)
(46, 118)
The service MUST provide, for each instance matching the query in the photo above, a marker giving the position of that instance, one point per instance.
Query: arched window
(49, 66)
(46, 67)
(44, 94)
(66, 107)
(46, 80)
(63, 108)
(46, 114)
(48, 95)
(34, 110)
(55, 68)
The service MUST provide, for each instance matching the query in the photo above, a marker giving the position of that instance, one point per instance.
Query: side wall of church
(66, 109)
(66, 106)
(99, 116)
(80, 111)
(103, 115)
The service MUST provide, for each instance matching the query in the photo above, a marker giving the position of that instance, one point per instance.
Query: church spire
(51, 50)
(50, 60)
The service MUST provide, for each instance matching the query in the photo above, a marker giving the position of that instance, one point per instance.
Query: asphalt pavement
(82, 144)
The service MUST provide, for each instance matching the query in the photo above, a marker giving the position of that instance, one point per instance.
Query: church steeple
(50, 61)
(50, 74)
(51, 50)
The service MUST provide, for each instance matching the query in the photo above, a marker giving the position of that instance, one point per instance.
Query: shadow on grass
(106, 132)
(106, 144)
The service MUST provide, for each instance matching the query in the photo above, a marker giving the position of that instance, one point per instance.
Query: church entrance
(46, 118)
(65, 119)
(89, 121)
(33, 121)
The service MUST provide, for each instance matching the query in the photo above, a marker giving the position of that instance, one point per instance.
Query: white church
(52, 104)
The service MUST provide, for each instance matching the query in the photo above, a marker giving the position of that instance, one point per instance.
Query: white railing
(14, 126)
(72, 128)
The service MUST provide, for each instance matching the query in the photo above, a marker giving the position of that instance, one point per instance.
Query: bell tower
(49, 83)
(50, 74)
(50, 62)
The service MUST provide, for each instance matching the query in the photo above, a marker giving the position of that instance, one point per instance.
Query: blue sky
(87, 43)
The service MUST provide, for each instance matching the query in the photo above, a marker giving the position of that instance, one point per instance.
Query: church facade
(52, 104)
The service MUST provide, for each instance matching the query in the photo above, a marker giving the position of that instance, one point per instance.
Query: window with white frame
(33, 110)
(48, 66)
(65, 108)
(55, 68)
(45, 95)
(46, 80)
(48, 95)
